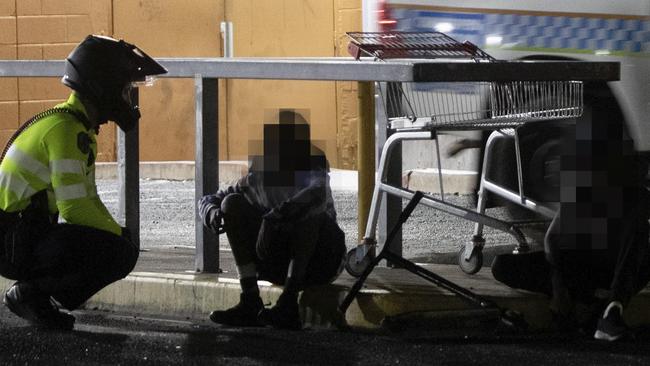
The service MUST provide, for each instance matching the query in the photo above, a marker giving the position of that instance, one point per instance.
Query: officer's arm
(72, 180)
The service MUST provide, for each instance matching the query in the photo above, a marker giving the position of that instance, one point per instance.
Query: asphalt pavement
(103, 338)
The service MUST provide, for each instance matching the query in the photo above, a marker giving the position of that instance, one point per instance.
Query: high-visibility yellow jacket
(56, 154)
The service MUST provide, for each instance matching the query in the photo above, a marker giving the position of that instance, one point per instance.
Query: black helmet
(104, 70)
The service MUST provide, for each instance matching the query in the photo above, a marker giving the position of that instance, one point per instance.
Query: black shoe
(243, 314)
(284, 315)
(611, 326)
(37, 308)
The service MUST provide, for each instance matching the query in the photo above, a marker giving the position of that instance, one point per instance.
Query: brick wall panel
(41, 89)
(53, 7)
(7, 8)
(30, 52)
(101, 16)
(28, 7)
(8, 89)
(8, 116)
(348, 4)
(78, 27)
(41, 29)
(8, 52)
(76, 7)
(57, 51)
(7, 30)
(4, 137)
(30, 108)
(106, 142)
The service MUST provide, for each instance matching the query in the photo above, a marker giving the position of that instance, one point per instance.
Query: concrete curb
(426, 180)
(194, 296)
(229, 171)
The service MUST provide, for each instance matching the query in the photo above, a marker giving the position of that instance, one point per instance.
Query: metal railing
(207, 71)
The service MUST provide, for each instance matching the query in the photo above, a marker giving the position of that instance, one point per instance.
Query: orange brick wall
(41, 30)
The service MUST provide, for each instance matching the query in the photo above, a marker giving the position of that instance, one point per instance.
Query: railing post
(206, 167)
(128, 174)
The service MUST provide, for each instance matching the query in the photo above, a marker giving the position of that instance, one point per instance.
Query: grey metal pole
(206, 165)
(128, 173)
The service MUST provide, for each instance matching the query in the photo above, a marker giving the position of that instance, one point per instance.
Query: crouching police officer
(281, 224)
(48, 170)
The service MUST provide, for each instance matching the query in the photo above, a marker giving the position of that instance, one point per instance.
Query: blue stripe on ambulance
(536, 31)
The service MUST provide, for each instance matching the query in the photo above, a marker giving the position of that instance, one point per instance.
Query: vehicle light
(493, 40)
(444, 27)
(384, 18)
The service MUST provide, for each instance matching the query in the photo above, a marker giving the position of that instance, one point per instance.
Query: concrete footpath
(164, 284)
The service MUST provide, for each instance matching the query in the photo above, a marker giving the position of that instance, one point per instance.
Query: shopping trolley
(423, 111)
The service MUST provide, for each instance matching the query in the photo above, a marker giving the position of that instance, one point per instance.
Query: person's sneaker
(37, 308)
(284, 315)
(611, 326)
(243, 314)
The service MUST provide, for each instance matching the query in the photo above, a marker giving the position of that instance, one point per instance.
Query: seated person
(281, 225)
(596, 253)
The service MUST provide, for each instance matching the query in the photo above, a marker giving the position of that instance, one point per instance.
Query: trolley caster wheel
(471, 265)
(352, 266)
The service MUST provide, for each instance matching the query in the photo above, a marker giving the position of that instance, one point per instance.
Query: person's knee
(234, 204)
(126, 260)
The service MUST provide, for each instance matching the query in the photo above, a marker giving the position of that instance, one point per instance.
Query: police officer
(48, 172)
(281, 224)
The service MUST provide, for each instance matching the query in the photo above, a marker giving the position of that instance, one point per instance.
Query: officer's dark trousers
(72, 263)
(271, 247)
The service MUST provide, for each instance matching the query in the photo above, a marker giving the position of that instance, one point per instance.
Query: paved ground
(119, 339)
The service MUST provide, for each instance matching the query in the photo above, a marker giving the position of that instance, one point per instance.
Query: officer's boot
(243, 314)
(39, 309)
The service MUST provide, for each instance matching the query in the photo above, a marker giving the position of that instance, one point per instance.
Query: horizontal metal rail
(346, 68)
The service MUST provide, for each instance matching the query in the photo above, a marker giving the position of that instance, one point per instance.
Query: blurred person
(596, 253)
(281, 224)
(47, 173)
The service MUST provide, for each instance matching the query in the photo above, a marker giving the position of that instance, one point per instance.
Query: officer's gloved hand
(210, 212)
(126, 234)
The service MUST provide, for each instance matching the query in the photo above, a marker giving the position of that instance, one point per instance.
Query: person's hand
(216, 223)
(210, 212)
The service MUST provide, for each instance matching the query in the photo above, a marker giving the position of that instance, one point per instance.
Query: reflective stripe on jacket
(57, 154)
